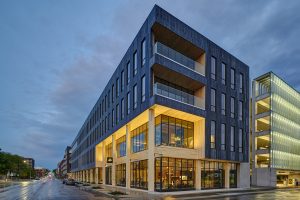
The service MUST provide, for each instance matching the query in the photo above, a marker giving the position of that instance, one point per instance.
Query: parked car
(70, 182)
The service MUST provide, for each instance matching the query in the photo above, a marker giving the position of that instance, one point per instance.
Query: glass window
(117, 87)
(122, 109)
(134, 63)
(232, 138)
(122, 80)
(232, 79)
(108, 150)
(139, 138)
(139, 174)
(112, 93)
(158, 130)
(213, 67)
(108, 175)
(113, 118)
(121, 175)
(121, 146)
(117, 113)
(240, 110)
(232, 110)
(128, 72)
(172, 131)
(143, 88)
(240, 140)
(213, 100)
(213, 135)
(134, 97)
(108, 99)
(233, 175)
(241, 83)
(143, 56)
(223, 73)
(128, 103)
(223, 104)
(212, 175)
(174, 174)
(223, 137)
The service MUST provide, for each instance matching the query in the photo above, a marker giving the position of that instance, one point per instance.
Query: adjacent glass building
(174, 115)
(275, 132)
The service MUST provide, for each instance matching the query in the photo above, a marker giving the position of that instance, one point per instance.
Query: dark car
(70, 182)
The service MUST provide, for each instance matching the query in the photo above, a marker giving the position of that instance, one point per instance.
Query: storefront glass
(174, 174)
(212, 175)
(121, 175)
(139, 174)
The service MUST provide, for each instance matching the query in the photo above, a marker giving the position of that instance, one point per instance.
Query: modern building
(173, 116)
(275, 132)
(64, 166)
(29, 162)
(41, 172)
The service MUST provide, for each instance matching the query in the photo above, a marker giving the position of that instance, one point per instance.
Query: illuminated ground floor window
(174, 174)
(139, 174)
(212, 175)
(233, 175)
(121, 175)
(108, 175)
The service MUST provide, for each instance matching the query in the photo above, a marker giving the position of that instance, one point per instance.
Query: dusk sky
(57, 56)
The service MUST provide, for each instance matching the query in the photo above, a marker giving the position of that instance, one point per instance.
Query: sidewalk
(106, 190)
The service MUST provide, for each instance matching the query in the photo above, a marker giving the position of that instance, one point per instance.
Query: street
(278, 194)
(45, 189)
(53, 189)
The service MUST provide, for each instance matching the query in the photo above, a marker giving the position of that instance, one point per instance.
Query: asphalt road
(46, 189)
(278, 194)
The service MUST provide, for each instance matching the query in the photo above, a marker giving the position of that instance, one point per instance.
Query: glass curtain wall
(233, 175)
(139, 174)
(174, 174)
(175, 132)
(121, 146)
(139, 138)
(285, 125)
(108, 175)
(121, 175)
(212, 175)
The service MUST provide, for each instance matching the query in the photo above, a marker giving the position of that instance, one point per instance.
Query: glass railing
(178, 95)
(179, 58)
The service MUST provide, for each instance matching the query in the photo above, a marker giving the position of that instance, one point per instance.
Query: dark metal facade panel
(162, 17)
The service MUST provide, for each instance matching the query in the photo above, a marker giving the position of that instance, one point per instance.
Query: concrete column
(151, 145)
(198, 175)
(82, 172)
(104, 162)
(114, 155)
(97, 175)
(91, 175)
(243, 175)
(227, 175)
(128, 156)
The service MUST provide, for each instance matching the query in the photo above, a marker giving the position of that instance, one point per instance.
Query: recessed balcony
(178, 95)
(179, 58)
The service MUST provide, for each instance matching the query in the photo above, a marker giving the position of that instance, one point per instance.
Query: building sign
(109, 160)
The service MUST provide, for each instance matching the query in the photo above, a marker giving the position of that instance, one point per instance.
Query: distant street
(46, 189)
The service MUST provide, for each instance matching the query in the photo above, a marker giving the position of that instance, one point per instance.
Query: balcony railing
(179, 58)
(178, 95)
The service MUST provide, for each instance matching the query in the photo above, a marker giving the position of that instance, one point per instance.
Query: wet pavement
(46, 189)
(276, 194)
(53, 189)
